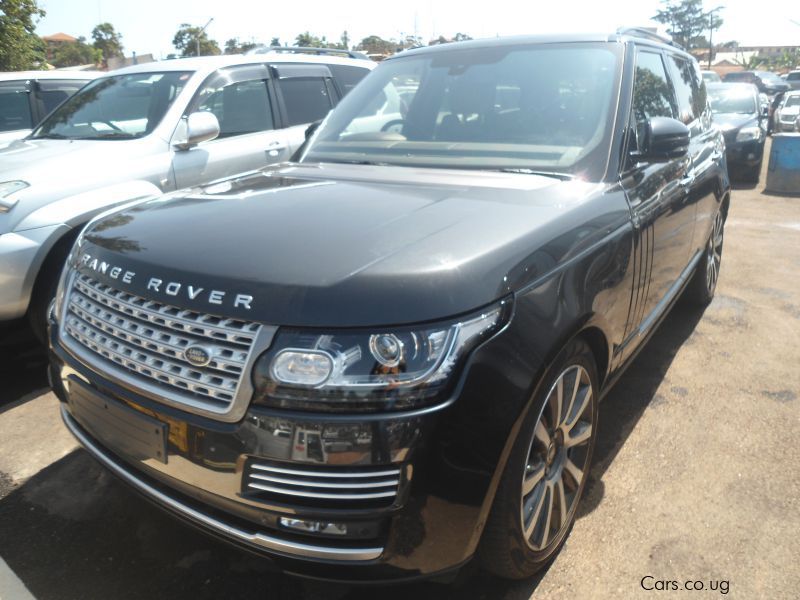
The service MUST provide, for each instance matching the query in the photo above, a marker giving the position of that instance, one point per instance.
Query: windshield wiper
(51, 136)
(119, 135)
(523, 171)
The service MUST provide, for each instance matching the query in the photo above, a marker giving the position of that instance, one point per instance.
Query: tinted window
(547, 107)
(15, 109)
(683, 74)
(53, 93)
(306, 99)
(116, 107)
(347, 77)
(652, 95)
(240, 108)
(793, 76)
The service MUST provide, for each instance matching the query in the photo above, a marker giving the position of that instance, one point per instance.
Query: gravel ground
(696, 474)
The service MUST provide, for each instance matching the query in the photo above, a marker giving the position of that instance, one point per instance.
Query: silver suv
(144, 130)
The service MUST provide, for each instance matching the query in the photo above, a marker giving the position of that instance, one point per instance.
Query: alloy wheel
(714, 254)
(558, 458)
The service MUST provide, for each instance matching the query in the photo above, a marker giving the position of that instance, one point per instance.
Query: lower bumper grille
(322, 487)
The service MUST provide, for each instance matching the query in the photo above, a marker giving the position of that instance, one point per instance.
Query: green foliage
(20, 47)
(687, 22)
(185, 41)
(71, 54)
(275, 42)
(232, 46)
(108, 41)
(376, 45)
(311, 41)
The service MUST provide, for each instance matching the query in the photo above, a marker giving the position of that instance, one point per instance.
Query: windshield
(731, 101)
(117, 107)
(15, 109)
(545, 107)
(792, 101)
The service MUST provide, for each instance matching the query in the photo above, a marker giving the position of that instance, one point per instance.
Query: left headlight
(7, 188)
(394, 368)
(748, 133)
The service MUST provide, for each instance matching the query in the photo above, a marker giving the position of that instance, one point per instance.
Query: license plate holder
(122, 429)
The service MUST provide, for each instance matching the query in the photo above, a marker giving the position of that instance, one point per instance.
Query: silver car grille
(322, 487)
(146, 340)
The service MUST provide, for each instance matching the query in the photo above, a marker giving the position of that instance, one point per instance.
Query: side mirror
(198, 127)
(665, 139)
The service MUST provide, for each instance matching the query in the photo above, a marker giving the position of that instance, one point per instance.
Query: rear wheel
(547, 471)
(704, 281)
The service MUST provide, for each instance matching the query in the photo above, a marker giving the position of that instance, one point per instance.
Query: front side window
(241, 107)
(541, 107)
(306, 99)
(15, 107)
(116, 107)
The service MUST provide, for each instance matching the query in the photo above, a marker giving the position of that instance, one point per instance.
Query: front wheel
(547, 471)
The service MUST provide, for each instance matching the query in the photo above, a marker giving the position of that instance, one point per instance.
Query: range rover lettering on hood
(165, 287)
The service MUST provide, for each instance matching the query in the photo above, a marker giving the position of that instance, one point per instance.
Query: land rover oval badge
(197, 356)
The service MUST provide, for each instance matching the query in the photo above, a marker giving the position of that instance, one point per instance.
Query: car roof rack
(643, 32)
(263, 49)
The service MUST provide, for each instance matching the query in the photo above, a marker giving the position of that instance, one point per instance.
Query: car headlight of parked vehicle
(748, 133)
(7, 188)
(383, 369)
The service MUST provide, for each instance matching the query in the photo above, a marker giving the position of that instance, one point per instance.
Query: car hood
(729, 121)
(343, 245)
(41, 161)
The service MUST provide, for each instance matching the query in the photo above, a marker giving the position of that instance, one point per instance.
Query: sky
(148, 26)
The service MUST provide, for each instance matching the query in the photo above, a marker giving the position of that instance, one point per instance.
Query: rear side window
(306, 99)
(15, 109)
(241, 107)
(347, 77)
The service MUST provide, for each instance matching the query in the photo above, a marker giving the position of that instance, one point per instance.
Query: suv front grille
(321, 487)
(147, 339)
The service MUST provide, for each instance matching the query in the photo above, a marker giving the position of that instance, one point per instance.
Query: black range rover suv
(385, 359)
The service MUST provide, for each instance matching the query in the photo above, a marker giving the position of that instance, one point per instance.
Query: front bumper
(744, 154)
(448, 460)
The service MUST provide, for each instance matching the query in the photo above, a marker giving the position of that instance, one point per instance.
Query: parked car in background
(143, 130)
(787, 112)
(430, 304)
(739, 115)
(27, 97)
(711, 77)
(767, 82)
(793, 79)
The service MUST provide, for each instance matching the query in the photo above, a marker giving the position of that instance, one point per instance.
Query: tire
(701, 288)
(44, 290)
(546, 473)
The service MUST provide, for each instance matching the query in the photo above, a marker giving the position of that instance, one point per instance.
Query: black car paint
(353, 246)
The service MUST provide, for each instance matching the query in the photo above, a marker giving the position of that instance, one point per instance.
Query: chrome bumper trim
(255, 539)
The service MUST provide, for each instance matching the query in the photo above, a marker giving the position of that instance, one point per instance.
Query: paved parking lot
(695, 479)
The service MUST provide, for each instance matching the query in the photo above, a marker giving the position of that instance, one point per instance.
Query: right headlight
(749, 133)
(392, 368)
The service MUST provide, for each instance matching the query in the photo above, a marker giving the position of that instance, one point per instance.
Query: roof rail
(643, 32)
(264, 49)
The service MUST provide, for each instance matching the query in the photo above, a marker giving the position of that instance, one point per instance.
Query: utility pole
(711, 33)
(200, 33)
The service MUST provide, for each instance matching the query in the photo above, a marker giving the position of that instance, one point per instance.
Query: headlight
(383, 369)
(6, 189)
(748, 133)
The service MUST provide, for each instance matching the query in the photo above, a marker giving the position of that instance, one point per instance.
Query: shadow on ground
(74, 531)
(23, 364)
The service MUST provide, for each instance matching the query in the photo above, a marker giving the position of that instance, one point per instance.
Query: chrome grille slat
(307, 494)
(145, 340)
(328, 484)
(338, 473)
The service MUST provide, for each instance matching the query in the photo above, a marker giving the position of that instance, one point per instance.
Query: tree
(308, 41)
(345, 40)
(185, 41)
(232, 46)
(72, 54)
(275, 42)
(687, 22)
(461, 37)
(20, 47)
(376, 45)
(108, 41)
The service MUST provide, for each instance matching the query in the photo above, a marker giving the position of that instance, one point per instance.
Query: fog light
(314, 526)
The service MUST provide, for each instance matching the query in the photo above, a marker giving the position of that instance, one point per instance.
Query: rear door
(306, 93)
(243, 100)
